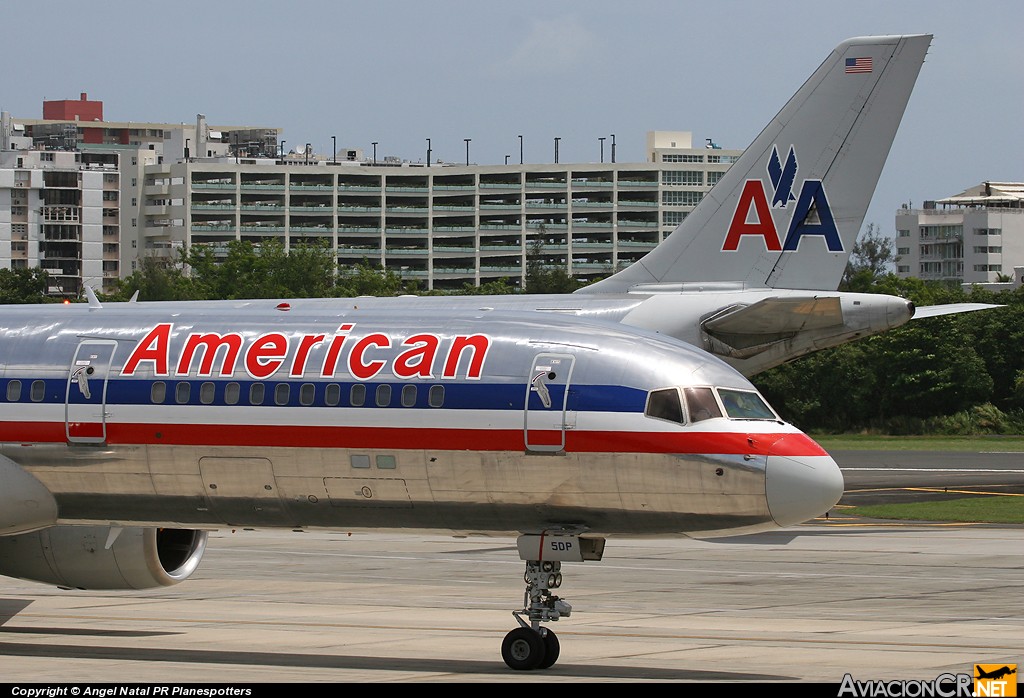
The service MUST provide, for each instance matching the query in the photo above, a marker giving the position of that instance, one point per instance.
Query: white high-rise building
(974, 237)
(60, 211)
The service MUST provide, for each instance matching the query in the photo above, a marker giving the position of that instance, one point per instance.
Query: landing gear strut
(531, 646)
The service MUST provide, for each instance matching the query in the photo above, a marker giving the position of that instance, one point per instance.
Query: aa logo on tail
(811, 215)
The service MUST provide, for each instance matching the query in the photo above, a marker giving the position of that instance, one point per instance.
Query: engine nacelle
(101, 557)
(25, 503)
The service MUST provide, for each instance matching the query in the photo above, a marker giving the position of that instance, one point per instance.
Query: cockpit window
(702, 404)
(742, 404)
(664, 404)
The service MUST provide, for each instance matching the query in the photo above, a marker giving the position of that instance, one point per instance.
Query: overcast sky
(401, 71)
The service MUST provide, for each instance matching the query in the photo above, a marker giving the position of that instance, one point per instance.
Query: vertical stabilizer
(788, 212)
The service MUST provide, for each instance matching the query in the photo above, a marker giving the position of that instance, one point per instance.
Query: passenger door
(85, 402)
(547, 394)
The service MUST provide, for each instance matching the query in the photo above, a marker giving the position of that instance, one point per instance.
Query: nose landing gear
(532, 646)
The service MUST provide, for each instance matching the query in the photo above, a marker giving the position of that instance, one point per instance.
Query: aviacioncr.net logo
(942, 686)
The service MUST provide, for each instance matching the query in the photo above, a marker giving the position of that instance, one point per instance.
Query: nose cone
(801, 487)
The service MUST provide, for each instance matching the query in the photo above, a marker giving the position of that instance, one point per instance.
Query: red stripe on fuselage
(403, 438)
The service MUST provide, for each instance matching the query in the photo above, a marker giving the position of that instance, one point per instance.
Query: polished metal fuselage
(500, 461)
(459, 491)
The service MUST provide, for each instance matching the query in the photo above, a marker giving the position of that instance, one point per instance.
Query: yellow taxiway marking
(933, 489)
(897, 522)
(944, 490)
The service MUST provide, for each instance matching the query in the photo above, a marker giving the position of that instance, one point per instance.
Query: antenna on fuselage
(94, 302)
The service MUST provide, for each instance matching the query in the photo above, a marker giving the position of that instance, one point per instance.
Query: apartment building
(61, 211)
(974, 237)
(442, 225)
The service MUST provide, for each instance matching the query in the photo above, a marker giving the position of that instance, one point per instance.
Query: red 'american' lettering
(268, 354)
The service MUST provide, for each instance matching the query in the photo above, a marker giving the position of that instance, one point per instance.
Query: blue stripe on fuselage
(457, 396)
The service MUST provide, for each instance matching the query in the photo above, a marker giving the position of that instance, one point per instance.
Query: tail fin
(787, 213)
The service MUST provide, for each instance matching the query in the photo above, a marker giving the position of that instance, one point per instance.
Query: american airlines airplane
(127, 434)
(129, 430)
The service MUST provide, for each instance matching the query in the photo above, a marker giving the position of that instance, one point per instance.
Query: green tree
(365, 279)
(24, 285)
(929, 368)
(544, 278)
(501, 287)
(240, 269)
(872, 257)
(997, 336)
(155, 280)
(832, 390)
(266, 270)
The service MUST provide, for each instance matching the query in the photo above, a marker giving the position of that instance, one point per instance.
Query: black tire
(551, 650)
(523, 649)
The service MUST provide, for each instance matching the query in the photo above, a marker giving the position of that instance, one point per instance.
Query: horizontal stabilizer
(951, 309)
(778, 315)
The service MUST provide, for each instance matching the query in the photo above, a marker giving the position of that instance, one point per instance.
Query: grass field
(1002, 509)
(851, 442)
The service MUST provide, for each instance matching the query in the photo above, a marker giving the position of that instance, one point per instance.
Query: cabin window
(702, 404)
(182, 392)
(744, 404)
(13, 391)
(383, 395)
(357, 396)
(408, 396)
(38, 391)
(232, 391)
(281, 393)
(359, 461)
(207, 391)
(158, 393)
(332, 394)
(664, 404)
(436, 396)
(257, 392)
(307, 393)
(386, 462)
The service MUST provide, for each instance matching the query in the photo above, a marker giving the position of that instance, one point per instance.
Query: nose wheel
(525, 649)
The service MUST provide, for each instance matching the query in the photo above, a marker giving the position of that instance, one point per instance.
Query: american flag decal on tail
(858, 65)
